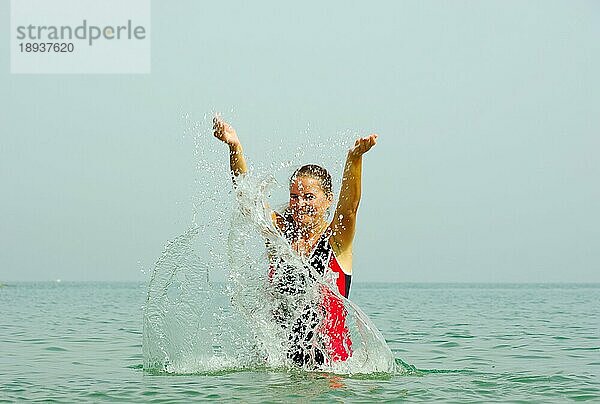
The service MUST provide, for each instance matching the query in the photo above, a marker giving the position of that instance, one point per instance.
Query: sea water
(467, 342)
(203, 326)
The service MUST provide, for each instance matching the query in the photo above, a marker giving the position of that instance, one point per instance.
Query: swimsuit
(329, 322)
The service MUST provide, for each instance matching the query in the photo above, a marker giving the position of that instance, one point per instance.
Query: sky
(486, 169)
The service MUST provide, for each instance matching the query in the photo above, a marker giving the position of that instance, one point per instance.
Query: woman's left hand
(363, 145)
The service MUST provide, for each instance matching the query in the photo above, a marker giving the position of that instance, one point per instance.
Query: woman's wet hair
(316, 172)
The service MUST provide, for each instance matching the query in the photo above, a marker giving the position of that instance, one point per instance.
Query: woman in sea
(326, 246)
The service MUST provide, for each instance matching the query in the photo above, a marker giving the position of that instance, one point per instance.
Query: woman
(326, 246)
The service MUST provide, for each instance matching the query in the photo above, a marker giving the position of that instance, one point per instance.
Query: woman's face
(308, 201)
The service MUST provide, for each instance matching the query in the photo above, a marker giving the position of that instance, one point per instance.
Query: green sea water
(67, 342)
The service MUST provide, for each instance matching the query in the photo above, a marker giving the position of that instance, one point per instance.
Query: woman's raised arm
(344, 220)
(225, 133)
(237, 163)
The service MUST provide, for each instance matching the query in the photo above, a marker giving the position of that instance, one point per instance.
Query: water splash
(210, 305)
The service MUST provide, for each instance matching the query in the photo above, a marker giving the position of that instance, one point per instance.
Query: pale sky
(486, 169)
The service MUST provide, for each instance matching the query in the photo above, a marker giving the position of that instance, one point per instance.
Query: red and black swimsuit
(330, 324)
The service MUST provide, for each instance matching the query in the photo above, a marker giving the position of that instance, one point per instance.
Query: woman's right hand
(225, 132)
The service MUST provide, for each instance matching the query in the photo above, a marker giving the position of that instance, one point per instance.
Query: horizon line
(354, 282)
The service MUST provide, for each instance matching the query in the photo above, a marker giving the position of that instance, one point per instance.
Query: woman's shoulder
(343, 256)
(278, 220)
(335, 241)
(284, 223)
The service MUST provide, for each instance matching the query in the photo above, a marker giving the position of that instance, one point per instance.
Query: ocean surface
(67, 342)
